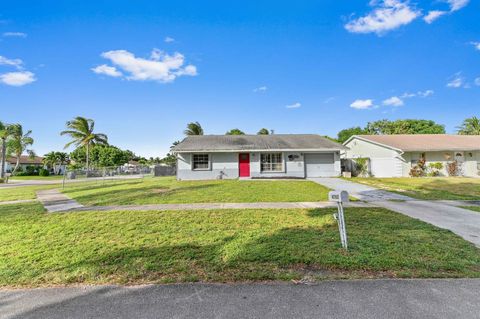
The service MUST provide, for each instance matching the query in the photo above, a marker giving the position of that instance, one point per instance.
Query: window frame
(281, 162)
(209, 162)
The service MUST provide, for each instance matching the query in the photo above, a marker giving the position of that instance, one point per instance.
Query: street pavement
(370, 299)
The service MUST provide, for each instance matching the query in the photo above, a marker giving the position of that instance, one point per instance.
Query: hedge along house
(395, 155)
(257, 156)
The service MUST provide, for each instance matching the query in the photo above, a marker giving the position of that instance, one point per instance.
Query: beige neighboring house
(25, 161)
(394, 155)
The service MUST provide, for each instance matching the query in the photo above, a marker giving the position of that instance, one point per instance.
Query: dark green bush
(43, 172)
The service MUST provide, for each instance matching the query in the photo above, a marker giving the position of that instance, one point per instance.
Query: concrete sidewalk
(54, 201)
(463, 222)
(369, 299)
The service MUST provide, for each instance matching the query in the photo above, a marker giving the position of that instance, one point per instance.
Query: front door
(244, 164)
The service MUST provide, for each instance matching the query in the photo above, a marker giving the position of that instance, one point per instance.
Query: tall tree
(408, 126)
(345, 134)
(5, 133)
(19, 143)
(81, 130)
(235, 131)
(470, 126)
(193, 128)
(263, 131)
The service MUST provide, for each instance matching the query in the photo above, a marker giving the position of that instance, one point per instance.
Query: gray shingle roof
(216, 143)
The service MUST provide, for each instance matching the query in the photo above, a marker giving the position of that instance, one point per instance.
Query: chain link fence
(107, 174)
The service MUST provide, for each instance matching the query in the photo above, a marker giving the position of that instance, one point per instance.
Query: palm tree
(193, 128)
(5, 133)
(80, 130)
(263, 131)
(235, 131)
(470, 126)
(55, 160)
(19, 143)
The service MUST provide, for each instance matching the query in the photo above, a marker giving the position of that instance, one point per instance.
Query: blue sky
(144, 69)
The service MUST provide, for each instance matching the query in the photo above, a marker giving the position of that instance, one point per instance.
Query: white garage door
(319, 164)
(385, 167)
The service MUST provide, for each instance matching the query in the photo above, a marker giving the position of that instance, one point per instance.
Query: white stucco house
(395, 155)
(25, 161)
(257, 156)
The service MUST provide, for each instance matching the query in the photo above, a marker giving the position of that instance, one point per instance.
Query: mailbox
(338, 196)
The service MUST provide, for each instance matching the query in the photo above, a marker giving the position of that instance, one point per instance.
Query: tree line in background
(93, 149)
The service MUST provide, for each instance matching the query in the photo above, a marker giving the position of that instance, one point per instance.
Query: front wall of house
(226, 165)
(470, 166)
(221, 164)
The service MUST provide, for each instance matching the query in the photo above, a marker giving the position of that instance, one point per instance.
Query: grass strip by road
(428, 188)
(474, 208)
(40, 249)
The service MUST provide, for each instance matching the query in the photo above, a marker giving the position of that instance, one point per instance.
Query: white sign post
(340, 197)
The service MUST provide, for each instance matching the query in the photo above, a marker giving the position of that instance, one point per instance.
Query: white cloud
(456, 82)
(362, 104)
(477, 81)
(17, 63)
(393, 101)
(160, 67)
(293, 106)
(169, 40)
(15, 34)
(107, 70)
(17, 78)
(260, 89)
(329, 99)
(433, 15)
(389, 15)
(425, 93)
(457, 4)
(476, 45)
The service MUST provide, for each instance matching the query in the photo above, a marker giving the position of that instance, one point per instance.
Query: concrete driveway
(463, 222)
(331, 299)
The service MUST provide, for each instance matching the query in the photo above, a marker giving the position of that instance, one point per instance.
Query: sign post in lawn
(340, 197)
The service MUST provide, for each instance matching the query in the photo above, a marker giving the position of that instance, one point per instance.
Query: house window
(200, 162)
(271, 162)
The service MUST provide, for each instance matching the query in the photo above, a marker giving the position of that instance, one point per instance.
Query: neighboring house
(257, 156)
(25, 161)
(395, 155)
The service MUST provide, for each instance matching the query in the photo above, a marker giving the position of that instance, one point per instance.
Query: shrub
(453, 169)
(361, 167)
(43, 172)
(434, 169)
(420, 169)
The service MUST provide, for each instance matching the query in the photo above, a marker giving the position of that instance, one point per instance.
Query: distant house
(257, 156)
(395, 155)
(25, 161)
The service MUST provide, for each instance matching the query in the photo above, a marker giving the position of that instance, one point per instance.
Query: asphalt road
(331, 299)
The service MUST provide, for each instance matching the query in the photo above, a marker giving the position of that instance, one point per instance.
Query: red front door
(244, 164)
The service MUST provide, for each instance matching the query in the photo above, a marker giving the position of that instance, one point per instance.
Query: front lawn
(40, 249)
(168, 190)
(429, 188)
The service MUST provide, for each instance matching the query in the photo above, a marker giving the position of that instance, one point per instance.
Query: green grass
(429, 188)
(474, 208)
(37, 178)
(40, 249)
(169, 190)
(21, 192)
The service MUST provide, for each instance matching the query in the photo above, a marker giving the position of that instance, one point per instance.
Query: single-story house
(257, 156)
(395, 155)
(25, 161)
